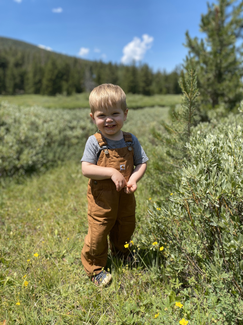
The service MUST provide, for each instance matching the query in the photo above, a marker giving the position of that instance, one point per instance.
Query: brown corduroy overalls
(109, 212)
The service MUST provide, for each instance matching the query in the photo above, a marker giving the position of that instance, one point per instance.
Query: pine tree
(145, 80)
(99, 73)
(172, 81)
(130, 79)
(51, 84)
(70, 88)
(64, 77)
(111, 75)
(10, 79)
(2, 81)
(3, 68)
(78, 71)
(169, 142)
(35, 76)
(216, 59)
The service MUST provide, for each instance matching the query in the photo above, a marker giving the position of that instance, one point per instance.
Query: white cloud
(83, 51)
(57, 10)
(19, 1)
(136, 49)
(47, 48)
(96, 50)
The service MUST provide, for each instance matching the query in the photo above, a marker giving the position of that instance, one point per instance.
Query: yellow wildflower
(171, 193)
(178, 304)
(28, 260)
(18, 303)
(158, 209)
(161, 248)
(155, 243)
(36, 254)
(157, 315)
(24, 276)
(126, 245)
(26, 283)
(166, 309)
(183, 321)
(132, 242)
(150, 199)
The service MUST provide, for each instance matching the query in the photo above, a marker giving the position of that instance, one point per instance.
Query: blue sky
(147, 31)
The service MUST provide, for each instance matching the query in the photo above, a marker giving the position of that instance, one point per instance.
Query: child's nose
(109, 118)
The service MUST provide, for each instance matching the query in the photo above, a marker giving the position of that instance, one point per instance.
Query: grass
(43, 224)
(42, 281)
(82, 100)
(48, 218)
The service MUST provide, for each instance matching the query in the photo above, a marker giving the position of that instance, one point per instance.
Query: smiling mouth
(110, 126)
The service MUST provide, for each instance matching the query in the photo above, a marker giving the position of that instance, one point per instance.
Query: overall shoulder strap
(100, 139)
(127, 136)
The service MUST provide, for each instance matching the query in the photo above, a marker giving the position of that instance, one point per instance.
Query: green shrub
(35, 138)
(168, 139)
(201, 223)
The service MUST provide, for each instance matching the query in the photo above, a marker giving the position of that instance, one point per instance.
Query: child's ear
(92, 116)
(125, 114)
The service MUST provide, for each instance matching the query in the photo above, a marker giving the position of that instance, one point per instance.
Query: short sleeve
(91, 150)
(140, 156)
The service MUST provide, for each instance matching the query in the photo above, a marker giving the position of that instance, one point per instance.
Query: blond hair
(107, 95)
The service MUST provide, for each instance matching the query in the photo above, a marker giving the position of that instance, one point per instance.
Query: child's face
(109, 121)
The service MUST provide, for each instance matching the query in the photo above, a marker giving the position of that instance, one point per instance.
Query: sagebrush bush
(197, 213)
(202, 221)
(35, 138)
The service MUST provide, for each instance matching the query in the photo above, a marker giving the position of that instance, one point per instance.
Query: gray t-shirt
(92, 149)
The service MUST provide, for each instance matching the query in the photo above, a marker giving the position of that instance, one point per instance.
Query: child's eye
(115, 113)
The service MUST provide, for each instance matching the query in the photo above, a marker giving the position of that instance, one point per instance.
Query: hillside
(6, 43)
(27, 69)
(10, 43)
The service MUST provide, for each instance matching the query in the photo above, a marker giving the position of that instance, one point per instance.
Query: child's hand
(135, 177)
(131, 187)
(119, 180)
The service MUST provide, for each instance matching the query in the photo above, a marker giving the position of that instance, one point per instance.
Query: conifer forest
(27, 69)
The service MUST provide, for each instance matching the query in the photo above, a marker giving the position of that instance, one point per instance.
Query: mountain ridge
(7, 43)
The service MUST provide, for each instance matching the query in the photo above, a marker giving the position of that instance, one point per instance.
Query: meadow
(82, 100)
(43, 224)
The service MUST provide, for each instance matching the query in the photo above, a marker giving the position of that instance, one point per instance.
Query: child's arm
(98, 172)
(135, 177)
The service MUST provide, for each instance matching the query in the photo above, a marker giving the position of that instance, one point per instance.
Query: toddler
(114, 161)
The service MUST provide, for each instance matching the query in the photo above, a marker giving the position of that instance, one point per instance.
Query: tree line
(217, 60)
(42, 72)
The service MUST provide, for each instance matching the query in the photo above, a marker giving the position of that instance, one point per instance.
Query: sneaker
(102, 279)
